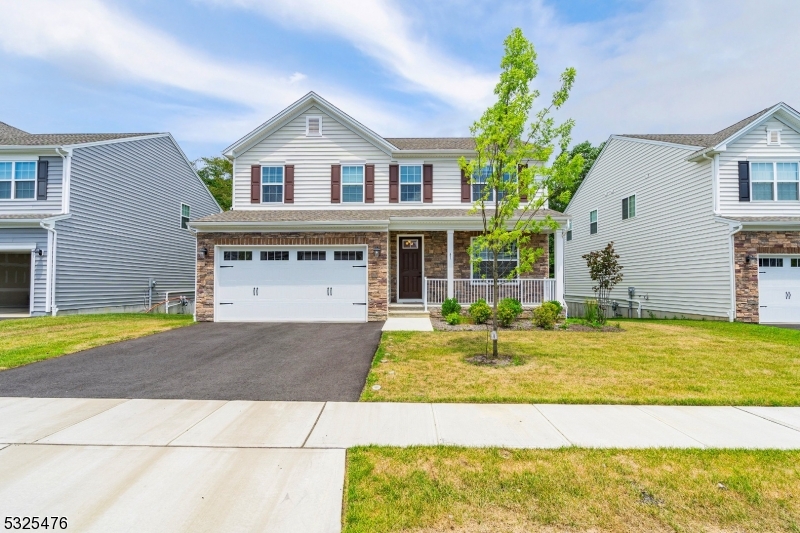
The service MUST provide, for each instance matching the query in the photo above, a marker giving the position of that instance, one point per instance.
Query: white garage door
(779, 289)
(281, 284)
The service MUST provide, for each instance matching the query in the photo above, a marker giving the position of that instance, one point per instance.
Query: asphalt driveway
(219, 361)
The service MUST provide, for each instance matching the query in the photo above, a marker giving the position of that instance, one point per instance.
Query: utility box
(631, 292)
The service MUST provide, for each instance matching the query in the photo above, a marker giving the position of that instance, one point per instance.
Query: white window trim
(283, 183)
(597, 221)
(774, 182)
(770, 131)
(309, 118)
(491, 196)
(421, 183)
(482, 280)
(363, 181)
(14, 179)
(189, 217)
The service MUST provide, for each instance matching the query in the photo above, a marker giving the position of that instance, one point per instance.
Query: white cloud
(677, 66)
(88, 35)
(381, 30)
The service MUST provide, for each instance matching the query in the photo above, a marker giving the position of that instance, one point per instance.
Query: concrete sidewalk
(193, 465)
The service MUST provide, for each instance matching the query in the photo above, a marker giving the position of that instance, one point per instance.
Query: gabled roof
(299, 107)
(709, 141)
(11, 136)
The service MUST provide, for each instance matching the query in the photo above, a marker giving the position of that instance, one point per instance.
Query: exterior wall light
(38, 251)
(377, 251)
(202, 253)
(749, 258)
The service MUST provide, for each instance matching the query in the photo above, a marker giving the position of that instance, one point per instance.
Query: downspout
(734, 230)
(50, 226)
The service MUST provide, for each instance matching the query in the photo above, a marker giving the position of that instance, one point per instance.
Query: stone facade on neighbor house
(752, 243)
(435, 256)
(377, 271)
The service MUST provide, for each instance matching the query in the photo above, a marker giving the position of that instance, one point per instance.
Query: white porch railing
(468, 291)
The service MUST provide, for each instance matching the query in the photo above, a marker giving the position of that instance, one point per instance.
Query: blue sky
(210, 70)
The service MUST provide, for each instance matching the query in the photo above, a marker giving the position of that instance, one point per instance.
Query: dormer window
(774, 137)
(313, 126)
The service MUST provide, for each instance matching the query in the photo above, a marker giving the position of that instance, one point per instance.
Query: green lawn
(28, 340)
(570, 490)
(647, 362)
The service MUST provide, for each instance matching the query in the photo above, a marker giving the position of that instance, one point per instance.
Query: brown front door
(410, 268)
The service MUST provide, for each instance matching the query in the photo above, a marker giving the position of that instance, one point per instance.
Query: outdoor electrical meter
(631, 292)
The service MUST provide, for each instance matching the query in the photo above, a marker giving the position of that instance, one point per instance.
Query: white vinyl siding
(753, 147)
(674, 251)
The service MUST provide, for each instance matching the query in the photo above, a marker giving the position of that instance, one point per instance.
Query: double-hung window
(479, 187)
(629, 207)
(185, 215)
(774, 181)
(17, 180)
(507, 261)
(593, 222)
(352, 183)
(410, 183)
(272, 184)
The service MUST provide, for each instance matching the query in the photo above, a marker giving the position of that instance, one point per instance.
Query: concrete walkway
(195, 465)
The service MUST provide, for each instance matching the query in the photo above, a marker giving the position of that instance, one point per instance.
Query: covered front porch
(427, 267)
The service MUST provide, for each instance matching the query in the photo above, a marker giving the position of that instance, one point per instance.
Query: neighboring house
(705, 225)
(331, 222)
(88, 220)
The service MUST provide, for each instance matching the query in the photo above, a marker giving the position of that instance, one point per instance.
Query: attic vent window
(774, 137)
(313, 126)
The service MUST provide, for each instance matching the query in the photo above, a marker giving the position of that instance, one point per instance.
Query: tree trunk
(495, 294)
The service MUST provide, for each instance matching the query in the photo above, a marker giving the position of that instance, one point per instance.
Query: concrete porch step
(408, 311)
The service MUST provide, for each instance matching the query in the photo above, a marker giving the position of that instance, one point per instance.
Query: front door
(410, 273)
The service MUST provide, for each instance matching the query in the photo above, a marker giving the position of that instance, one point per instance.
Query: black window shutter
(41, 180)
(624, 208)
(744, 181)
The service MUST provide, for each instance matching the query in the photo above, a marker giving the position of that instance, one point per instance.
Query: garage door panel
(292, 290)
(779, 289)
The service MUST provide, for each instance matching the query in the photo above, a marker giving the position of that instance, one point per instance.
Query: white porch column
(449, 263)
(559, 265)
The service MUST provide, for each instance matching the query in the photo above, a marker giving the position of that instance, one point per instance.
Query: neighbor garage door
(779, 289)
(270, 284)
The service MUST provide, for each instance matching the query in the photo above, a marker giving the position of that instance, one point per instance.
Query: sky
(209, 71)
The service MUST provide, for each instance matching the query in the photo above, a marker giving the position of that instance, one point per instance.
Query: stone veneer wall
(377, 266)
(746, 274)
(435, 247)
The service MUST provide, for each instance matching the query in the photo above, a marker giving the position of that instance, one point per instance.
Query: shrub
(451, 306)
(480, 311)
(592, 312)
(453, 319)
(545, 315)
(557, 304)
(508, 309)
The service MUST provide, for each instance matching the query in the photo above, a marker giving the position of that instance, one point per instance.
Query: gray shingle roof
(343, 215)
(704, 140)
(432, 143)
(11, 136)
(25, 216)
(795, 220)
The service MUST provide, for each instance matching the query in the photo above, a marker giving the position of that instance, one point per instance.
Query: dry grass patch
(570, 490)
(28, 340)
(648, 362)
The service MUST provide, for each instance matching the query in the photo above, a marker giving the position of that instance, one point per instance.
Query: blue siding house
(95, 222)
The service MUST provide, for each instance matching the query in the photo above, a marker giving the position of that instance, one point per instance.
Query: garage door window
(237, 256)
(349, 255)
(795, 263)
(311, 256)
(275, 256)
(767, 262)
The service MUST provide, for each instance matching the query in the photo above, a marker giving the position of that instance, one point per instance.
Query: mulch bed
(522, 324)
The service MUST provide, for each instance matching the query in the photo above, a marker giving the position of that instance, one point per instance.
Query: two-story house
(95, 222)
(332, 222)
(706, 225)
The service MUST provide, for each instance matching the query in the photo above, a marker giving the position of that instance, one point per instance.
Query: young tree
(605, 270)
(558, 200)
(216, 173)
(511, 163)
